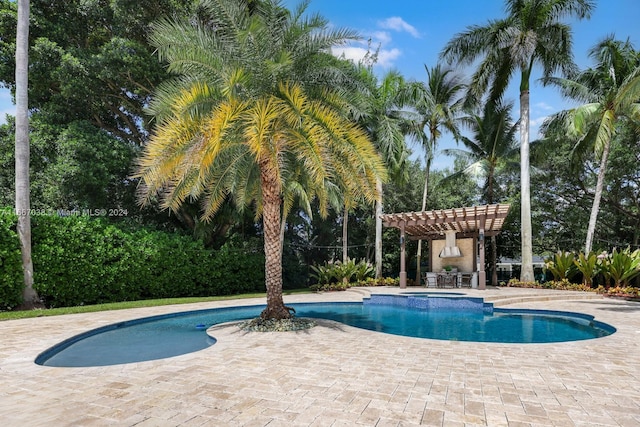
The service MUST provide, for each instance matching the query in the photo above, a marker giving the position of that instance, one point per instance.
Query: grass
(13, 315)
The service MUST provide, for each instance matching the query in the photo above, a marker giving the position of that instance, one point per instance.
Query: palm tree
(383, 121)
(531, 34)
(490, 151)
(256, 96)
(610, 93)
(23, 204)
(436, 108)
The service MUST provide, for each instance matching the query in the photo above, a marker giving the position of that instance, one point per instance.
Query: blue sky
(411, 33)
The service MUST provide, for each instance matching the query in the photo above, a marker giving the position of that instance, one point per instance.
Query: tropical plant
(257, 94)
(338, 271)
(344, 271)
(561, 265)
(621, 266)
(384, 122)
(610, 93)
(436, 107)
(589, 266)
(531, 34)
(491, 150)
(323, 274)
(363, 270)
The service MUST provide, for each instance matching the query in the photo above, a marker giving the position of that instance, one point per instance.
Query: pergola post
(403, 268)
(482, 274)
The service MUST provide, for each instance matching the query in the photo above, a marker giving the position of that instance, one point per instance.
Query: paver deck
(332, 375)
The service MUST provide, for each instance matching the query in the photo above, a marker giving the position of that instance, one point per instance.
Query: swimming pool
(443, 318)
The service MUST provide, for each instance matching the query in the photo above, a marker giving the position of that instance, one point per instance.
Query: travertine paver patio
(332, 375)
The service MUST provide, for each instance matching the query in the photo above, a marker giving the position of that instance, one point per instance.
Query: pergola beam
(463, 220)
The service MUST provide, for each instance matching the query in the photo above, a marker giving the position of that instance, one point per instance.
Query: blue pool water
(444, 318)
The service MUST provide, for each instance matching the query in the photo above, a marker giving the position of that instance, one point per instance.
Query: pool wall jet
(432, 303)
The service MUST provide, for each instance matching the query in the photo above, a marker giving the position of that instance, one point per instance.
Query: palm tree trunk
(283, 227)
(494, 244)
(272, 253)
(526, 274)
(593, 218)
(379, 211)
(424, 206)
(345, 229)
(23, 204)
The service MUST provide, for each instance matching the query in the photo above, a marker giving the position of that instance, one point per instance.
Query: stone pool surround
(323, 376)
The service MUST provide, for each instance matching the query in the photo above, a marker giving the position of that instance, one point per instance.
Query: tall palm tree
(383, 120)
(256, 95)
(531, 34)
(436, 108)
(610, 93)
(23, 204)
(491, 150)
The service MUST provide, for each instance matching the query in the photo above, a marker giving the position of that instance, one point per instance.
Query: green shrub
(561, 265)
(620, 291)
(342, 272)
(589, 266)
(562, 285)
(11, 279)
(236, 270)
(323, 274)
(80, 260)
(384, 281)
(621, 266)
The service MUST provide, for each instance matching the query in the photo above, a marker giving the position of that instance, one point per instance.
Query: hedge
(11, 279)
(81, 260)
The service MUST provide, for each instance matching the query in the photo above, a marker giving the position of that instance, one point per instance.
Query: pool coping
(333, 375)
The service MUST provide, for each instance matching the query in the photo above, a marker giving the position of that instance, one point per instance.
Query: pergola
(476, 222)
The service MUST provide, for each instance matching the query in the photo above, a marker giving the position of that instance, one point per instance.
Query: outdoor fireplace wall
(463, 263)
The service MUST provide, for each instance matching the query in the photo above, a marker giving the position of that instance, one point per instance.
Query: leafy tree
(72, 167)
(251, 101)
(436, 108)
(90, 60)
(531, 34)
(458, 190)
(610, 93)
(387, 127)
(92, 71)
(491, 151)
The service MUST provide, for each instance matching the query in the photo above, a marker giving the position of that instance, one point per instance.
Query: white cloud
(382, 37)
(398, 24)
(534, 126)
(543, 106)
(378, 40)
(386, 57)
(352, 53)
(537, 121)
(356, 54)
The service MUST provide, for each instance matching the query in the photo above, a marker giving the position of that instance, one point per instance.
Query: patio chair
(447, 280)
(430, 280)
(465, 280)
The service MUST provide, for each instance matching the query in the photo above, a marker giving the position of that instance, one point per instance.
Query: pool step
(499, 301)
(502, 300)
